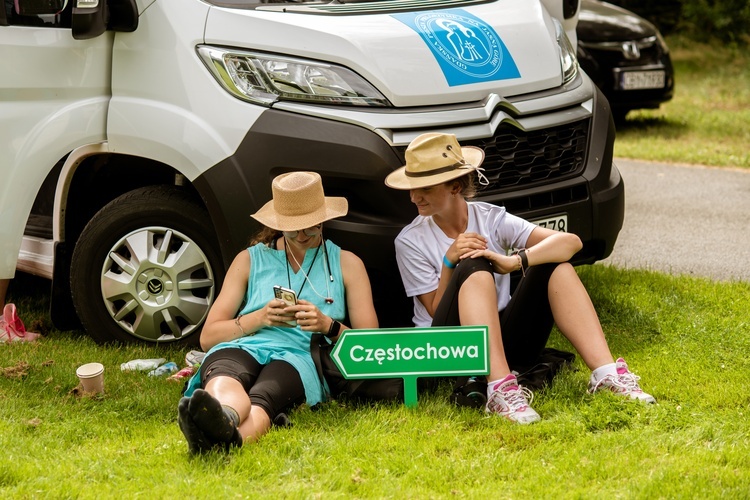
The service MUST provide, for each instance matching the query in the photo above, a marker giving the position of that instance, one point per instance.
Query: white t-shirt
(421, 245)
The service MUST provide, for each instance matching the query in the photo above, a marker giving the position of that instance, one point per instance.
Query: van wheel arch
(147, 268)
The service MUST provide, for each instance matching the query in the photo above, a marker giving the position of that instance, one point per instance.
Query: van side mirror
(89, 18)
(30, 8)
(39, 7)
(92, 17)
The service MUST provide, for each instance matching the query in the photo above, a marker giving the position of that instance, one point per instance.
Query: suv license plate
(636, 80)
(558, 223)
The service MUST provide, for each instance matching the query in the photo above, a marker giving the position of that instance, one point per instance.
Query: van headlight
(265, 78)
(568, 61)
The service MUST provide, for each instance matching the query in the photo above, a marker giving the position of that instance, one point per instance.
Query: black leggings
(275, 387)
(526, 323)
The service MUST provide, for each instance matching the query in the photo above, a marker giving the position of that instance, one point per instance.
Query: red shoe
(12, 329)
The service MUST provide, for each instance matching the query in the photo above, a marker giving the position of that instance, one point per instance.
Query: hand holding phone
(289, 297)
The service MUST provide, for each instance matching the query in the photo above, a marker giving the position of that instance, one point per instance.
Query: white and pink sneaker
(625, 383)
(510, 400)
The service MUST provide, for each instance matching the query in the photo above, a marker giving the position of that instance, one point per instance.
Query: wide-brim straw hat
(432, 159)
(299, 202)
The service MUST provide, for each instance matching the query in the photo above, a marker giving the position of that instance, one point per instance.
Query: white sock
(491, 385)
(603, 371)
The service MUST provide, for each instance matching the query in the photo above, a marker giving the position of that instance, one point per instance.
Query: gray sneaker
(194, 358)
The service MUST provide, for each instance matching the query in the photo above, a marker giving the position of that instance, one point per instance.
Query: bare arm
(543, 246)
(546, 245)
(358, 292)
(464, 244)
(221, 324)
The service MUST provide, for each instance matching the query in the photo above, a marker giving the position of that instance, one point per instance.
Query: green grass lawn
(708, 120)
(688, 338)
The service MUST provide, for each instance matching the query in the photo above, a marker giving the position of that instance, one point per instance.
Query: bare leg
(255, 425)
(477, 301)
(576, 317)
(254, 421)
(3, 291)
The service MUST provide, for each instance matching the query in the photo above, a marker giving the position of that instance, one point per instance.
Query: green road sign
(410, 353)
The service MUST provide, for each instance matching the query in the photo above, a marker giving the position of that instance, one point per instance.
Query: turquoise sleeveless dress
(268, 268)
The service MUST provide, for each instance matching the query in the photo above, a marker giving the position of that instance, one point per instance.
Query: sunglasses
(310, 231)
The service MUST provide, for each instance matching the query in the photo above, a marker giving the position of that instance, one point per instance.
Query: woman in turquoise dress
(258, 364)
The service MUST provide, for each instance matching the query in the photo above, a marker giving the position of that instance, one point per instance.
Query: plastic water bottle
(141, 364)
(165, 369)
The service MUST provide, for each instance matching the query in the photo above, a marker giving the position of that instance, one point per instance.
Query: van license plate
(636, 80)
(558, 223)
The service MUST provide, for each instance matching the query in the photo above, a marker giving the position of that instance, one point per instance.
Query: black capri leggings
(526, 323)
(275, 387)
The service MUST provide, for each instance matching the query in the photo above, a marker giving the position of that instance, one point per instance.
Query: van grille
(515, 158)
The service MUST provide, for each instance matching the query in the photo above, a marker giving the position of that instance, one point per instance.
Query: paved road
(685, 220)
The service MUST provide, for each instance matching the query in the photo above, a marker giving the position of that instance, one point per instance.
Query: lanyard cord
(328, 299)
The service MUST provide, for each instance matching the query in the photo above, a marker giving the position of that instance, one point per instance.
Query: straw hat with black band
(299, 203)
(432, 159)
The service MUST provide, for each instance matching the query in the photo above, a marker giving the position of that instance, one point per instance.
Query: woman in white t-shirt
(455, 261)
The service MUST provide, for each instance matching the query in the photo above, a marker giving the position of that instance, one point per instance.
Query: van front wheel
(146, 268)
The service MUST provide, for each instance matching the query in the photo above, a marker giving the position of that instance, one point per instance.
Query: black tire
(146, 269)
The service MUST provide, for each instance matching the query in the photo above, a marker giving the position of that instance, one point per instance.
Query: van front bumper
(354, 162)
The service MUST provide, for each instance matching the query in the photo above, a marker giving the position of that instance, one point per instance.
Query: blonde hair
(467, 185)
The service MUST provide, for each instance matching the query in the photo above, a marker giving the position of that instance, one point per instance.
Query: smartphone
(289, 296)
(286, 294)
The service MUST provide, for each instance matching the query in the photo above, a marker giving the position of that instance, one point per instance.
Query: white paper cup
(91, 376)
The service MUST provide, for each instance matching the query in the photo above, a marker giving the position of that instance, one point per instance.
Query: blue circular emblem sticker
(467, 49)
(468, 44)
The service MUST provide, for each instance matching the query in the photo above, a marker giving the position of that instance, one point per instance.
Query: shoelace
(516, 399)
(627, 381)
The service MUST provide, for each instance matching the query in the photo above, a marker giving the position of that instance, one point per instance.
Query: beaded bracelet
(237, 322)
(448, 264)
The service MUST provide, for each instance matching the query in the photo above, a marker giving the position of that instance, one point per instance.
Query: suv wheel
(146, 268)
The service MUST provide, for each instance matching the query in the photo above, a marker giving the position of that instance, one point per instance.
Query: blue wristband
(448, 263)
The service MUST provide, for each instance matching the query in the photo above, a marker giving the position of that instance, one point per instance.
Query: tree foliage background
(727, 21)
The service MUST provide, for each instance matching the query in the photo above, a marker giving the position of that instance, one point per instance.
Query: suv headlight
(568, 61)
(265, 78)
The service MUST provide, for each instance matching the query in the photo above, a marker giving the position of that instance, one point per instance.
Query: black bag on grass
(378, 389)
(472, 392)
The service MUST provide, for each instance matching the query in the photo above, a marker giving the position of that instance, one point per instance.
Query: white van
(138, 135)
